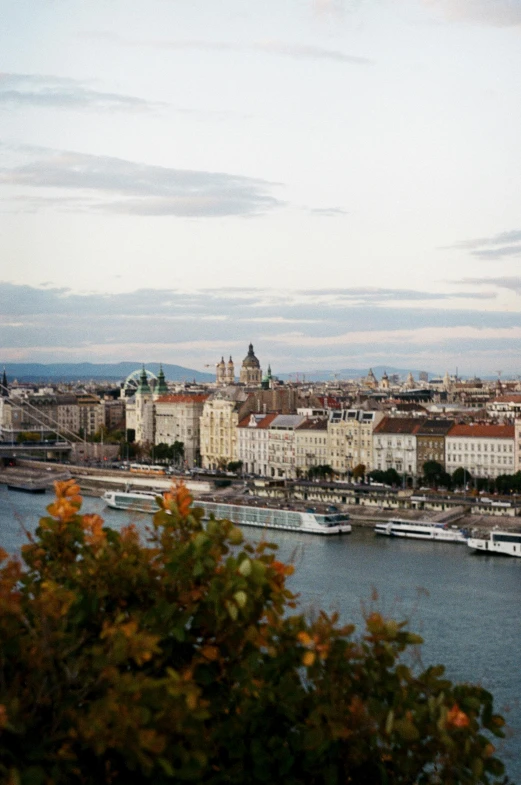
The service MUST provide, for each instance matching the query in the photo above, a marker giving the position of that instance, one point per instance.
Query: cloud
(328, 212)
(511, 236)
(115, 185)
(280, 48)
(513, 283)
(496, 246)
(63, 93)
(380, 295)
(418, 335)
(497, 253)
(307, 328)
(499, 13)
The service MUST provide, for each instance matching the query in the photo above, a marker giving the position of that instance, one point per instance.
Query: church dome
(250, 361)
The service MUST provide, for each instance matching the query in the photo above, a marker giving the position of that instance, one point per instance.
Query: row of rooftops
(389, 425)
(432, 427)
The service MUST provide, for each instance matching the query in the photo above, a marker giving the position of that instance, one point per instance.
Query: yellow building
(218, 427)
(350, 439)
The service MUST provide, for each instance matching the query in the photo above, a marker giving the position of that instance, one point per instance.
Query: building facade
(310, 445)
(395, 445)
(219, 420)
(482, 450)
(252, 443)
(430, 442)
(350, 439)
(177, 419)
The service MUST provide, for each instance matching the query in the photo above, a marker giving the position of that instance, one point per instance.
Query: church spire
(162, 388)
(4, 391)
(143, 386)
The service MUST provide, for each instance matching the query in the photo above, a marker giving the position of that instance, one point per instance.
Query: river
(467, 606)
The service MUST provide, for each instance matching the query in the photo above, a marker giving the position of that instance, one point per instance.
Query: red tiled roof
(399, 425)
(328, 402)
(199, 398)
(266, 421)
(483, 431)
(313, 425)
(507, 399)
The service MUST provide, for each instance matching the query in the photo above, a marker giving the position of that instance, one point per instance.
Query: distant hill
(110, 372)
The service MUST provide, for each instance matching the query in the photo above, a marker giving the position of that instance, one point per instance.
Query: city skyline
(336, 181)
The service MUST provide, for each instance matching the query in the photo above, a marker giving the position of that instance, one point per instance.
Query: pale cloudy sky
(338, 181)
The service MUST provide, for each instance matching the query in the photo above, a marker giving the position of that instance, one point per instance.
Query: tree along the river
(184, 658)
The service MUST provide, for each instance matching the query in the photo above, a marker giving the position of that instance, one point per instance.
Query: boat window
(507, 538)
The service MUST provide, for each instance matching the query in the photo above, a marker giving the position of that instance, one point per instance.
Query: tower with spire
(230, 372)
(220, 373)
(161, 387)
(4, 392)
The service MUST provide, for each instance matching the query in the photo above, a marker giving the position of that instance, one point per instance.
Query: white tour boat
(505, 543)
(421, 530)
(134, 501)
(241, 514)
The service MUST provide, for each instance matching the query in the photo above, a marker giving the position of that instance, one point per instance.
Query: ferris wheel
(131, 383)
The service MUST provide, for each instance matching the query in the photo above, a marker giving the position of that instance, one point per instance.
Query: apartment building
(481, 449)
(430, 442)
(310, 445)
(395, 444)
(221, 415)
(252, 443)
(177, 419)
(281, 445)
(350, 438)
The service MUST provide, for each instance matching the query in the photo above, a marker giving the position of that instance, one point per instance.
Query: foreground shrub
(183, 659)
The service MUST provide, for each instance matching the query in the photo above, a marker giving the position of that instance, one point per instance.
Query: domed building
(251, 373)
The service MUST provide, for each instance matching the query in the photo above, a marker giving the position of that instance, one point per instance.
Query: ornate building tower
(4, 392)
(161, 386)
(251, 373)
(230, 372)
(220, 373)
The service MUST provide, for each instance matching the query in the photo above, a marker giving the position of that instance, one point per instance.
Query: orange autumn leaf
(457, 718)
(94, 533)
(304, 638)
(183, 500)
(210, 653)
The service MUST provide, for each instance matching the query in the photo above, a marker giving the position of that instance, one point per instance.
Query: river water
(467, 606)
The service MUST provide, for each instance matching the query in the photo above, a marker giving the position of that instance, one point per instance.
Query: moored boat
(421, 530)
(26, 487)
(310, 522)
(497, 542)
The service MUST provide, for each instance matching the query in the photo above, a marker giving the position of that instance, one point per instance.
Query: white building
(177, 419)
(281, 445)
(482, 450)
(395, 446)
(252, 443)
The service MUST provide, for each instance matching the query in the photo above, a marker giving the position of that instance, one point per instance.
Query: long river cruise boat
(502, 543)
(421, 530)
(310, 522)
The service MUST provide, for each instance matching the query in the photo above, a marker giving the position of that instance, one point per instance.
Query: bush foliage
(184, 659)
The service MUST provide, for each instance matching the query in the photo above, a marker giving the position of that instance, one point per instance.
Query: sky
(336, 181)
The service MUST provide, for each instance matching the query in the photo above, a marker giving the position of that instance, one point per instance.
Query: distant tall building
(225, 373)
(251, 373)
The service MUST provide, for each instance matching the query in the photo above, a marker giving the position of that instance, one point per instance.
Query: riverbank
(94, 482)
